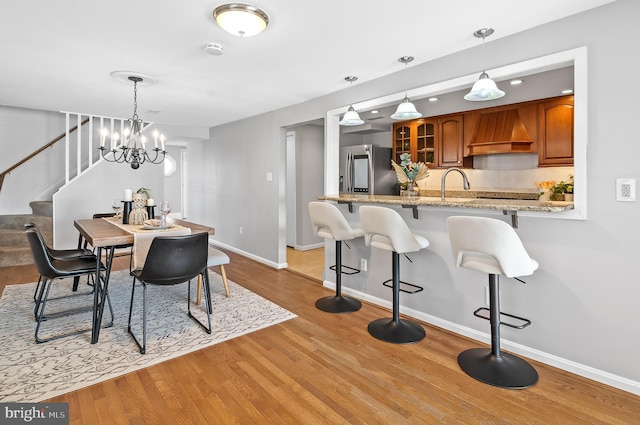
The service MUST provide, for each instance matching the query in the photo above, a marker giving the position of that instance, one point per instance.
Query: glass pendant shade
(351, 117)
(484, 89)
(241, 19)
(406, 111)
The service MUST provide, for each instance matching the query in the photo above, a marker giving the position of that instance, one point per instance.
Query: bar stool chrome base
(338, 304)
(396, 331)
(505, 371)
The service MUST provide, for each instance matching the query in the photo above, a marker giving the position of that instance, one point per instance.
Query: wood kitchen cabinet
(417, 138)
(438, 142)
(544, 126)
(449, 141)
(555, 132)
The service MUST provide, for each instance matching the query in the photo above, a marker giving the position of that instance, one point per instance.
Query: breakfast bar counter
(432, 201)
(509, 207)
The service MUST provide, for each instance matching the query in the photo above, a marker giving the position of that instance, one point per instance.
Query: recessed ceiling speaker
(213, 49)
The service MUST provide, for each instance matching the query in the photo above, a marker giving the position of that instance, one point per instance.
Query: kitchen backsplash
(506, 171)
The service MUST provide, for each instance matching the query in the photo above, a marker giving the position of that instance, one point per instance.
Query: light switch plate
(269, 177)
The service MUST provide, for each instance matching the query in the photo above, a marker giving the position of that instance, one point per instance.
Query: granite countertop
(456, 202)
(505, 193)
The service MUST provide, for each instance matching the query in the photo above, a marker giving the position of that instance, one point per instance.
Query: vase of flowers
(409, 173)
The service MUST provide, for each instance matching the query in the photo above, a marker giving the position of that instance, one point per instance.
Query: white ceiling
(57, 55)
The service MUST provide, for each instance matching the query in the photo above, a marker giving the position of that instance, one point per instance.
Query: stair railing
(35, 153)
(83, 161)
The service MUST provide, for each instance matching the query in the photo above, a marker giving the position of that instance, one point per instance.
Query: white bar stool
(384, 228)
(492, 246)
(328, 222)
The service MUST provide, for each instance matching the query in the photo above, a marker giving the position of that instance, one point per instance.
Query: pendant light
(485, 88)
(406, 110)
(351, 117)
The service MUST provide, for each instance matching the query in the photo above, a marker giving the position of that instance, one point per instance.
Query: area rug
(31, 372)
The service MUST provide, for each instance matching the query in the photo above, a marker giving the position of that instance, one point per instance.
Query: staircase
(14, 246)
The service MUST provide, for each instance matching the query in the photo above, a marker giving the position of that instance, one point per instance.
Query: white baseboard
(308, 247)
(248, 255)
(589, 372)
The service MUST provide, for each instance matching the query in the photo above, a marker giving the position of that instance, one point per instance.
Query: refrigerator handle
(348, 170)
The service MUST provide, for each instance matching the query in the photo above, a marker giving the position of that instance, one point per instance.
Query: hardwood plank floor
(307, 263)
(326, 369)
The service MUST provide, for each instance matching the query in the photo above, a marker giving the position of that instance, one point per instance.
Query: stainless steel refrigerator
(366, 170)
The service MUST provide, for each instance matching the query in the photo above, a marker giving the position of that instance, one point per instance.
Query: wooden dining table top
(101, 233)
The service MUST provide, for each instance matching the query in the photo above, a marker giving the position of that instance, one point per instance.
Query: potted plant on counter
(562, 191)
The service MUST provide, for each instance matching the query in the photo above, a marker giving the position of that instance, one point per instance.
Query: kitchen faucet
(464, 179)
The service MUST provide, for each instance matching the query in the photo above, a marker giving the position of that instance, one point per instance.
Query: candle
(127, 194)
(162, 142)
(155, 138)
(150, 202)
(103, 135)
(143, 140)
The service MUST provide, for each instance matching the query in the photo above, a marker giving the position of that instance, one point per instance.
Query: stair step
(44, 208)
(14, 245)
(15, 256)
(13, 237)
(17, 221)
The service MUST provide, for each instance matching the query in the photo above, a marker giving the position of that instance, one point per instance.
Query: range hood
(367, 128)
(500, 132)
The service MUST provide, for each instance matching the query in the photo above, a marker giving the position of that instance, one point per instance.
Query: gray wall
(584, 298)
(22, 132)
(310, 184)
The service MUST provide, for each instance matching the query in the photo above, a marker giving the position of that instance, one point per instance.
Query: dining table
(105, 235)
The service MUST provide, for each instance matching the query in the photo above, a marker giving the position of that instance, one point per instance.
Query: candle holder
(126, 211)
(151, 211)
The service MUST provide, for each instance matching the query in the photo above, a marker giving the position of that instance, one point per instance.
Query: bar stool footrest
(351, 270)
(524, 324)
(412, 289)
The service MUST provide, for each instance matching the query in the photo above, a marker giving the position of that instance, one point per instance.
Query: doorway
(304, 183)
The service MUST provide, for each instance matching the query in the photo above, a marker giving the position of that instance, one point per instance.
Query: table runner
(142, 237)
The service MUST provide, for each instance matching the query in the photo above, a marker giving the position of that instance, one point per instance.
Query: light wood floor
(321, 368)
(308, 263)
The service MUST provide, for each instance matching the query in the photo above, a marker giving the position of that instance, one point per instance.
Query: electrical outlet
(363, 264)
(487, 298)
(626, 190)
(241, 230)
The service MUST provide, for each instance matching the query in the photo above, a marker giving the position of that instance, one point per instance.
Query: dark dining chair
(51, 270)
(62, 255)
(172, 260)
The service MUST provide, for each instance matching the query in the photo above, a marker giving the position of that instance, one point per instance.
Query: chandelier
(132, 148)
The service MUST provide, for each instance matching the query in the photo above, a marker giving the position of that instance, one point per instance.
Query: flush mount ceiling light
(406, 110)
(240, 19)
(131, 148)
(485, 88)
(351, 117)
